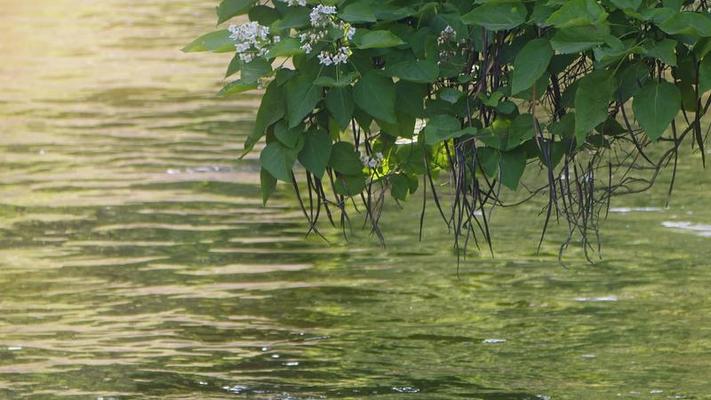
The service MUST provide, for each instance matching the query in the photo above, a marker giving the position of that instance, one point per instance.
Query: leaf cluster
(481, 91)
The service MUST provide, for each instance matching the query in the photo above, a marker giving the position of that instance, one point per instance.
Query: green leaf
(359, 12)
(316, 153)
(705, 75)
(375, 94)
(291, 138)
(365, 39)
(252, 71)
(530, 64)
(278, 161)
(302, 96)
(577, 13)
(349, 185)
(512, 165)
(664, 50)
(272, 109)
(293, 17)
(339, 102)
(655, 107)
(399, 187)
(341, 81)
(236, 87)
(440, 127)
(263, 15)
(345, 159)
(489, 159)
(410, 98)
(420, 71)
(234, 66)
(450, 95)
(627, 4)
(687, 23)
(579, 38)
(232, 8)
(497, 16)
(216, 42)
(267, 185)
(286, 47)
(592, 98)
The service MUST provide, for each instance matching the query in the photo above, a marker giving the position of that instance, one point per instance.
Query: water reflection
(137, 262)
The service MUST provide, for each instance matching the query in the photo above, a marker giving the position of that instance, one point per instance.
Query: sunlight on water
(136, 261)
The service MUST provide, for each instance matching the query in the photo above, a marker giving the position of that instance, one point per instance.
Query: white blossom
(374, 162)
(251, 40)
(322, 16)
(447, 34)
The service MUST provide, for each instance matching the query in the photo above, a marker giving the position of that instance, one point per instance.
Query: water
(137, 263)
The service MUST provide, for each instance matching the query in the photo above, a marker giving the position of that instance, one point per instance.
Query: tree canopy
(385, 98)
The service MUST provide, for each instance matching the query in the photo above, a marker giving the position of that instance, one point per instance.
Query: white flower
(350, 33)
(446, 35)
(322, 16)
(307, 48)
(374, 162)
(251, 39)
(325, 58)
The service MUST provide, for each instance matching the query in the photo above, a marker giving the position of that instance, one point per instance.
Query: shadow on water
(136, 261)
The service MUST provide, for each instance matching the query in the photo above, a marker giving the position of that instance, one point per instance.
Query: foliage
(376, 97)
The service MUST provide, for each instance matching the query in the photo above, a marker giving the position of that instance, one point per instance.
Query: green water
(137, 263)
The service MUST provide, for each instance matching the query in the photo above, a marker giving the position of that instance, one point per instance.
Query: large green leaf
(655, 107)
(339, 102)
(316, 153)
(236, 87)
(627, 4)
(375, 94)
(345, 159)
(530, 64)
(272, 109)
(421, 71)
(267, 185)
(579, 38)
(592, 99)
(286, 47)
(302, 96)
(687, 23)
(347, 185)
(512, 165)
(232, 8)
(216, 42)
(358, 12)
(278, 161)
(705, 75)
(254, 70)
(497, 16)
(441, 127)
(578, 13)
(365, 39)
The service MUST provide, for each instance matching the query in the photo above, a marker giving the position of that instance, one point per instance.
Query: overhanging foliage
(383, 97)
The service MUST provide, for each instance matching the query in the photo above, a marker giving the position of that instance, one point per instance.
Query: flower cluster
(251, 40)
(292, 3)
(323, 16)
(374, 162)
(448, 45)
(447, 35)
(339, 57)
(323, 21)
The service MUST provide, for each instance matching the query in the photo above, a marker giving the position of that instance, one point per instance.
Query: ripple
(702, 230)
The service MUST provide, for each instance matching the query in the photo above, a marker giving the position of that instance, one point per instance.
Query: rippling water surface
(136, 261)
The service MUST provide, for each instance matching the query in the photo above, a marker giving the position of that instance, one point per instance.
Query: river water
(136, 261)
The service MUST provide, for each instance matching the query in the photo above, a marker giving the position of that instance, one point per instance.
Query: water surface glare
(136, 261)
